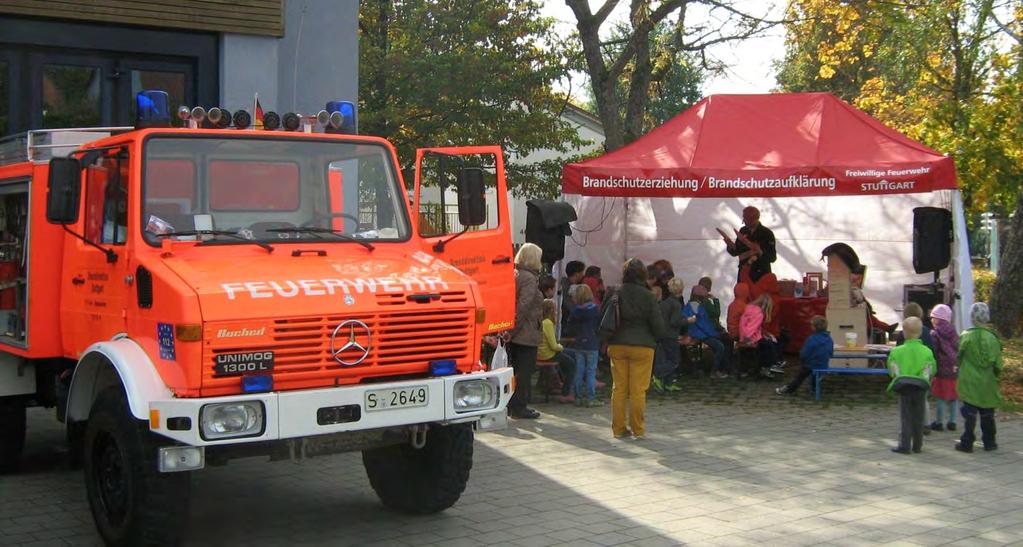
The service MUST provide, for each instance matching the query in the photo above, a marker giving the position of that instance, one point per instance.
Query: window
(71, 96)
(438, 195)
(106, 201)
(77, 74)
(275, 189)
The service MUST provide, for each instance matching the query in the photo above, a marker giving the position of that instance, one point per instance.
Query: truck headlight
(230, 420)
(474, 395)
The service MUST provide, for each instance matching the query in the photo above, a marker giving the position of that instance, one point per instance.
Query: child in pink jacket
(751, 333)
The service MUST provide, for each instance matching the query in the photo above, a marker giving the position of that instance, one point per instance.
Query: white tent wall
(682, 230)
(961, 266)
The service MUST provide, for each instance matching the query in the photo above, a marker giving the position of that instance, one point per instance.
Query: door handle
(501, 260)
(78, 280)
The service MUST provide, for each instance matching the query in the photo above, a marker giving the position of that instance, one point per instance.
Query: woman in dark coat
(631, 349)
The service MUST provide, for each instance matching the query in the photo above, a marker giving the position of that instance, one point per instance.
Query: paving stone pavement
(757, 469)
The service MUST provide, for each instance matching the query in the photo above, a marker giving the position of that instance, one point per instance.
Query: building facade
(80, 64)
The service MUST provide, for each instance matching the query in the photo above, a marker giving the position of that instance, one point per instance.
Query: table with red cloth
(795, 318)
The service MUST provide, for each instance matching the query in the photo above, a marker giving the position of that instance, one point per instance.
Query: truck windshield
(270, 190)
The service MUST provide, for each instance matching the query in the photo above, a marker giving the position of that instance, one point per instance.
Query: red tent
(779, 145)
(789, 155)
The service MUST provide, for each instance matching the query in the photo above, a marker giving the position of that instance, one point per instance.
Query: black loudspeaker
(547, 225)
(932, 239)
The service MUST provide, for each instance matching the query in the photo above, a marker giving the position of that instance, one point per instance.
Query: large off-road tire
(132, 502)
(423, 481)
(12, 433)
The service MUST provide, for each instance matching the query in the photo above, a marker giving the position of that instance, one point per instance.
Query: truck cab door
(481, 252)
(94, 295)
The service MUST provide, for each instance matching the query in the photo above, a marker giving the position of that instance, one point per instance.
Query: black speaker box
(547, 225)
(932, 239)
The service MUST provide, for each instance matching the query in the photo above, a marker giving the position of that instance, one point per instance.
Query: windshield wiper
(227, 233)
(319, 230)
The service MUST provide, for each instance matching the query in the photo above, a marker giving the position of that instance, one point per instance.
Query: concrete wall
(317, 60)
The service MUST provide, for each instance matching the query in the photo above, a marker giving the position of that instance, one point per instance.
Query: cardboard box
(838, 283)
(846, 362)
(841, 321)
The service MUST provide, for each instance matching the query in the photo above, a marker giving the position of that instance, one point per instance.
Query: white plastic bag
(500, 358)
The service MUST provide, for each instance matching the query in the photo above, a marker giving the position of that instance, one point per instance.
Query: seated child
(818, 349)
(752, 333)
(701, 328)
(911, 367)
(736, 308)
(584, 320)
(667, 355)
(550, 350)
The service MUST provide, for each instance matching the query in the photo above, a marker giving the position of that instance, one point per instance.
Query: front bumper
(293, 414)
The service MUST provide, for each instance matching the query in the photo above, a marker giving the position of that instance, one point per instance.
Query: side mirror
(64, 190)
(472, 207)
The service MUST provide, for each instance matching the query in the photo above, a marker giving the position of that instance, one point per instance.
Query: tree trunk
(1006, 304)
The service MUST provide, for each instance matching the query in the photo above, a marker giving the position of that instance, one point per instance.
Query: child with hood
(736, 308)
(945, 343)
(980, 365)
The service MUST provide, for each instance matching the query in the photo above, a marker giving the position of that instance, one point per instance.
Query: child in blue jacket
(701, 328)
(817, 351)
(584, 321)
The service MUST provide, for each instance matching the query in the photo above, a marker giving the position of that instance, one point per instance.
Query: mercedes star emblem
(345, 345)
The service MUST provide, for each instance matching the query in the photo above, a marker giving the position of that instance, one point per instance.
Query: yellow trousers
(630, 368)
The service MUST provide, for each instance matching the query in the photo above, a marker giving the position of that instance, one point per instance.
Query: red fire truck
(183, 296)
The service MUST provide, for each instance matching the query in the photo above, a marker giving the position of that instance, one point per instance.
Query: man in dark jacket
(574, 271)
(762, 253)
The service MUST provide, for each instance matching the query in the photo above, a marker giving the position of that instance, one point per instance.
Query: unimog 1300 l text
(187, 295)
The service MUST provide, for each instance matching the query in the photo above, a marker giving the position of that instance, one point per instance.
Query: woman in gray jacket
(525, 336)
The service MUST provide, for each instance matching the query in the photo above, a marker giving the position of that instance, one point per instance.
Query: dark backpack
(611, 320)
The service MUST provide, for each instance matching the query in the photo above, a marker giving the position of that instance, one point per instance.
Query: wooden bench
(548, 369)
(818, 375)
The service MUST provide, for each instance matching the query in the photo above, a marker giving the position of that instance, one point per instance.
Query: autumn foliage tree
(937, 71)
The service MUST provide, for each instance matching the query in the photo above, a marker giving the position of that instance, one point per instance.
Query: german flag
(257, 113)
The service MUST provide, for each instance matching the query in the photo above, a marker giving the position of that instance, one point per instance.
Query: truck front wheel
(12, 433)
(425, 480)
(131, 501)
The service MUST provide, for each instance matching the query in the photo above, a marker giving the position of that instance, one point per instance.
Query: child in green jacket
(911, 367)
(980, 365)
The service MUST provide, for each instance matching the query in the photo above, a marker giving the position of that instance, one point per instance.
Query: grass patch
(1012, 376)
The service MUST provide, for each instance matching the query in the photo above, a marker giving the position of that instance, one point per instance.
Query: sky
(750, 61)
